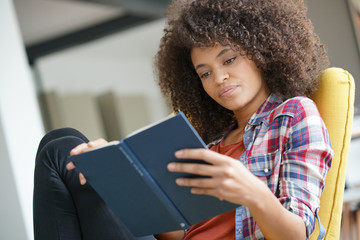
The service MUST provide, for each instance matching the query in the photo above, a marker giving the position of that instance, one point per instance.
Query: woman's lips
(226, 91)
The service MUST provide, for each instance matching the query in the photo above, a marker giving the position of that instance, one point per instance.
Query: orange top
(221, 226)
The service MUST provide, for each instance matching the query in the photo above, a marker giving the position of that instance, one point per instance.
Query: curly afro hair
(275, 34)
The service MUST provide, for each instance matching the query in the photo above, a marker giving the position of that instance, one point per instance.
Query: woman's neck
(234, 136)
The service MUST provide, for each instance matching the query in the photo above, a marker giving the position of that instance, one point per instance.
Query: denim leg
(63, 209)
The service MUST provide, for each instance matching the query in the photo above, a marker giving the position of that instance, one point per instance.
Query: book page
(102, 146)
(149, 126)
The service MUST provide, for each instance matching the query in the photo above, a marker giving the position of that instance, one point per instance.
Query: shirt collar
(263, 111)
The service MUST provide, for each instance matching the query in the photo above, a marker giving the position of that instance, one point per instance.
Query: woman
(240, 70)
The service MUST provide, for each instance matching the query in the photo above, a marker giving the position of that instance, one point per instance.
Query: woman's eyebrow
(222, 52)
(199, 66)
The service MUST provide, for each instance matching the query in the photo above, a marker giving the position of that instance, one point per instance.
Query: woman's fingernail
(194, 191)
(179, 153)
(180, 181)
(68, 167)
(82, 181)
(171, 166)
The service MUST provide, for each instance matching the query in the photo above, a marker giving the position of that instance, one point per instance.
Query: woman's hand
(81, 148)
(229, 179)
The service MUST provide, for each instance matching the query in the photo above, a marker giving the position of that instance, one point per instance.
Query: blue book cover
(132, 178)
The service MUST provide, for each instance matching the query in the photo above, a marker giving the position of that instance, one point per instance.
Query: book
(132, 178)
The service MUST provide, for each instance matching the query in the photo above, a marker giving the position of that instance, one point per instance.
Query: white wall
(333, 24)
(122, 62)
(20, 130)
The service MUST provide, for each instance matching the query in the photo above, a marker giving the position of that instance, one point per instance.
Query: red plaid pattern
(288, 147)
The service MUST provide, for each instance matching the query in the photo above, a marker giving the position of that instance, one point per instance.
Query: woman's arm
(274, 220)
(230, 180)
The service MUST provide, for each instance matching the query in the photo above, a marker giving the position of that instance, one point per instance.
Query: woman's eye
(204, 75)
(230, 60)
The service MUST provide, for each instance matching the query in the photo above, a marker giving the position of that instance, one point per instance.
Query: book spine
(151, 183)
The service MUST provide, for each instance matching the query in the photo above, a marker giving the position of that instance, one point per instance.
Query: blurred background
(89, 65)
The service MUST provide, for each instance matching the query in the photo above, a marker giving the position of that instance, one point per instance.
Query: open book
(132, 177)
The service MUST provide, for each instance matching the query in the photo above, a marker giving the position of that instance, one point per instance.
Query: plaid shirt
(287, 147)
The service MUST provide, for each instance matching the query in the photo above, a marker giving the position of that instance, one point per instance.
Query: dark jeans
(63, 209)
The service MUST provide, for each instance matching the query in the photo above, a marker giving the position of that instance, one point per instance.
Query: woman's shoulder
(295, 106)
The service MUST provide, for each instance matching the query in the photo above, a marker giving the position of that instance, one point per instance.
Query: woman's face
(230, 79)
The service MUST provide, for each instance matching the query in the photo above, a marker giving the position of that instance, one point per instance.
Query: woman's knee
(54, 154)
(61, 132)
(57, 134)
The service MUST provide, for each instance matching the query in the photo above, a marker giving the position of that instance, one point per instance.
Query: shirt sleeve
(305, 163)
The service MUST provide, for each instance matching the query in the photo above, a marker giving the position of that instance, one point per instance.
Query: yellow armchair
(335, 101)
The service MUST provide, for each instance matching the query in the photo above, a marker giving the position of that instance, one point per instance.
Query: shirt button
(240, 231)
(266, 170)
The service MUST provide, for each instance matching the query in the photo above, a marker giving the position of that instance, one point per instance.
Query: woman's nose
(221, 76)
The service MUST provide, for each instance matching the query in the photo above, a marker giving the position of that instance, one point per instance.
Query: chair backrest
(335, 101)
